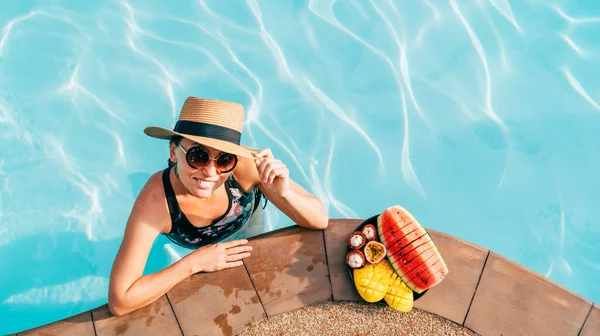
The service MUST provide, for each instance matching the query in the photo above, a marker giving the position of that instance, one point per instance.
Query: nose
(210, 169)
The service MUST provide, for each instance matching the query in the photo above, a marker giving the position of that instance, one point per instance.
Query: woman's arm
(128, 289)
(301, 206)
(273, 179)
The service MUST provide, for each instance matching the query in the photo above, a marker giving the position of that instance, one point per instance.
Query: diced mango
(372, 281)
(398, 295)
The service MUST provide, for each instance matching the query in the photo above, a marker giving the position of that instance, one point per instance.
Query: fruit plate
(373, 220)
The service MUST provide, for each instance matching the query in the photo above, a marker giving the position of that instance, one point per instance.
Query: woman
(209, 191)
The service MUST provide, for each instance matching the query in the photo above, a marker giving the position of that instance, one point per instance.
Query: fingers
(234, 243)
(237, 253)
(264, 153)
(263, 164)
(239, 249)
(234, 264)
(219, 256)
(236, 257)
(269, 166)
(233, 252)
(277, 172)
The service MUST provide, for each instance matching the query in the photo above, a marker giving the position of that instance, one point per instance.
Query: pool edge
(484, 291)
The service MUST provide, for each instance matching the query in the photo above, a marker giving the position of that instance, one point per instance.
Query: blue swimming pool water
(480, 117)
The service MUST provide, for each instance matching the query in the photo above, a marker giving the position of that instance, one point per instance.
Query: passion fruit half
(374, 252)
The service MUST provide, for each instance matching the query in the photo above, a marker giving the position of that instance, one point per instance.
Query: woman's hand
(273, 173)
(218, 256)
(288, 196)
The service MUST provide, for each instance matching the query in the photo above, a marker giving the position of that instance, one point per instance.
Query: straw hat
(213, 123)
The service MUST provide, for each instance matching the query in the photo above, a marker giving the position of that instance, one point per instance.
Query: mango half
(373, 280)
(399, 296)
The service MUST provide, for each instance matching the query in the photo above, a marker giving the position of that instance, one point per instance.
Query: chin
(203, 193)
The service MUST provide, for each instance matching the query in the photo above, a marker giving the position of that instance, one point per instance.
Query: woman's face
(199, 182)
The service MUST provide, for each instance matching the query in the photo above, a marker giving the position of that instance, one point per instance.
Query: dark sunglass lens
(226, 161)
(197, 157)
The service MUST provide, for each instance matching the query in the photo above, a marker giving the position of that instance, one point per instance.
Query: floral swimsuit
(241, 207)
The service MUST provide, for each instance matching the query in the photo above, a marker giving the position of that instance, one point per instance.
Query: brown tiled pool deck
(295, 267)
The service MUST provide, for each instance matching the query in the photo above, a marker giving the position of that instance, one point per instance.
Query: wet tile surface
(78, 325)
(216, 303)
(336, 240)
(295, 267)
(452, 297)
(592, 324)
(154, 319)
(512, 300)
(289, 270)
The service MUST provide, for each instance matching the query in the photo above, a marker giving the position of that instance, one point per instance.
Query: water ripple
(336, 203)
(94, 214)
(90, 288)
(407, 169)
(575, 20)
(579, 88)
(404, 73)
(73, 88)
(269, 41)
(572, 44)
(11, 24)
(134, 30)
(503, 7)
(427, 25)
(483, 58)
(324, 10)
(339, 112)
(489, 110)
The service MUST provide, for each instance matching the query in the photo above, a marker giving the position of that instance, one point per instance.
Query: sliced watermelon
(415, 257)
(396, 238)
(402, 248)
(410, 249)
(417, 264)
(400, 218)
(428, 273)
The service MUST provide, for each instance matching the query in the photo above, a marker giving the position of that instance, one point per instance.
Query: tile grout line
(476, 287)
(93, 323)
(327, 262)
(174, 314)
(586, 318)
(255, 290)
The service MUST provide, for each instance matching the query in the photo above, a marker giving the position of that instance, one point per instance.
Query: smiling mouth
(204, 183)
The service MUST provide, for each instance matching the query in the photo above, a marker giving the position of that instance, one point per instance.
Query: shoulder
(153, 190)
(151, 204)
(246, 174)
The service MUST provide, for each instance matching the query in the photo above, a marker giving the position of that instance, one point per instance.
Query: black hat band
(208, 131)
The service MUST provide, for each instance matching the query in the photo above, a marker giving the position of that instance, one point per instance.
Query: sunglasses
(197, 157)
